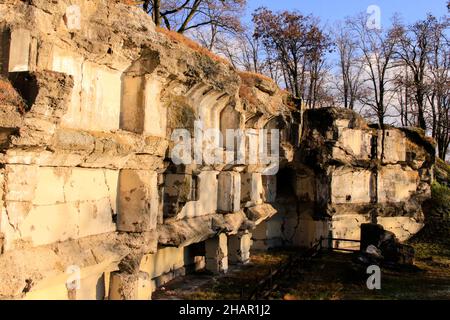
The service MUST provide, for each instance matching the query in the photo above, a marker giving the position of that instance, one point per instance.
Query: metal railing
(330, 241)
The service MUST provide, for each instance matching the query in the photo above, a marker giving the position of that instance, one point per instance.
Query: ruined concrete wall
(353, 173)
(86, 178)
(94, 206)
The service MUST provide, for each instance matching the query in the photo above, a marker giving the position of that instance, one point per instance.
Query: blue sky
(332, 10)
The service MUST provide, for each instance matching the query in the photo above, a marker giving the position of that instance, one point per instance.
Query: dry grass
(8, 95)
(178, 37)
(133, 2)
(249, 80)
(251, 76)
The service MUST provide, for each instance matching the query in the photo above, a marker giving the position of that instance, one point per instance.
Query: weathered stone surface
(193, 230)
(138, 201)
(229, 192)
(260, 213)
(86, 178)
(19, 50)
(217, 254)
(239, 248)
(45, 267)
(76, 203)
(354, 172)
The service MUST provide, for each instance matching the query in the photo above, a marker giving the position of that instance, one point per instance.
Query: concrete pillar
(216, 253)
(259, 237)
(229, 196)
(138, 201)
(125, 286)
(239, 248)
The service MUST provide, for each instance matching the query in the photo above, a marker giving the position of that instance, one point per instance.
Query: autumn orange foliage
(178, 37)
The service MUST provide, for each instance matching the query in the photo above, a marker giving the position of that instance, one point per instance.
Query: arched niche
(230, 119)
(276, 123)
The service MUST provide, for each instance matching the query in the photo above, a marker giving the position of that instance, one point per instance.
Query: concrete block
(394, 146)
(207, 190)
(403, 227)
(124, 286)
(165, 260)
(396, 184)
(252, 188)
(95, 217)
(216, 254)
(229, 196)
(19, 51)
(138, 200)
(239, 248)
(21, 182)
(350, 186)
(269, 188)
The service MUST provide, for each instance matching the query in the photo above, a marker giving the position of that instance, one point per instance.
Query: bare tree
(413, 47)
(244, 51)
(377, 49)
(405, 98)
(438, 94)
(184, 15)
(350, 66)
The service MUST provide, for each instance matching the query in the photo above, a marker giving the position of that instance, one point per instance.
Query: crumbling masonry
(92, 206)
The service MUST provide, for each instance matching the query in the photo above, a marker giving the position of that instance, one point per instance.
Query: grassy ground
(330, 276)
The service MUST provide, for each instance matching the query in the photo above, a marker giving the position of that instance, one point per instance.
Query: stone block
(229, 192)
(350, 186)
(394, 146)
(155, 118)
(239, 248)
(348, 226)
(269, 188)
(396, 184)
(207, 191)
(124, 286)
(252, 188)
(48, 224)
(19, 50)
(403, 227)
(70, 63)
(95, 217)
(165, 260)
(100, 98)
(50, 186)
(305, 187)
(356, 142)
(138, 201)
(216, 254)
(21, 182)
(86, 185)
